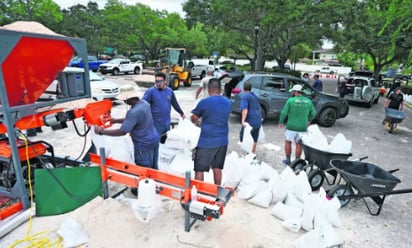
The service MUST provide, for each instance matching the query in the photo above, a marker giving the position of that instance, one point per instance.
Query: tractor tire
(189, 80)
(174, 82)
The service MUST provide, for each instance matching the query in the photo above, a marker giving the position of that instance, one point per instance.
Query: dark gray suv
(273, 92)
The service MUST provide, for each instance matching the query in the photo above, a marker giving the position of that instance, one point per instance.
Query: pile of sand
(29, 27)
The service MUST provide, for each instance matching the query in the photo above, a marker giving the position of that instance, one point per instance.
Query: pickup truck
(116, 66)
(198, 69)
(328, 70)
(93, 62)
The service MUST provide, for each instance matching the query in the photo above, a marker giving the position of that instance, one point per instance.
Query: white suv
(362, 89)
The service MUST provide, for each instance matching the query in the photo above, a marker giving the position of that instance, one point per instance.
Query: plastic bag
(72, 233)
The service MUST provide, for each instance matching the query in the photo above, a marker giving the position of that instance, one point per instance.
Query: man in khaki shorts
(299, 111)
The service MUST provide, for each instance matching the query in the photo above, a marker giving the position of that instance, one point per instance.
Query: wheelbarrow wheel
(340, 190)
(316, 178)
(298, 165)
(391, 126)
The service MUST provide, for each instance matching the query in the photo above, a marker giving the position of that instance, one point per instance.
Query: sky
(168, 5)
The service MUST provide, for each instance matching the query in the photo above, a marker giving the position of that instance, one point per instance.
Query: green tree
(84, 22)
(29, 10)
(293, 23)
(362, 33)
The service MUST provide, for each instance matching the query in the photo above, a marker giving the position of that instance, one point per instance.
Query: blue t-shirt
(215, 112)
(139, 124)
(251, 103)
(318, 85)
(161, 102)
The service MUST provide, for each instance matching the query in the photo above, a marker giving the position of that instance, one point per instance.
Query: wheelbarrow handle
(392, 171)
(363, 158)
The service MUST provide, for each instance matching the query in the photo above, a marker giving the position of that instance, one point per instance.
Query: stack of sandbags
(294, 202)
(252, 181)
(316, 139)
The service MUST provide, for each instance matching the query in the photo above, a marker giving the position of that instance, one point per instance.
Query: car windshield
(94, 77)
(115, 61)
(76, 59)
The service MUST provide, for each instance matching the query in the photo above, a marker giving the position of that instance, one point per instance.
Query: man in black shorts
(212, 115)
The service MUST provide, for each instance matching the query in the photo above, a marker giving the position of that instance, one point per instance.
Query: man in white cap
(299, 111)
(139, 123)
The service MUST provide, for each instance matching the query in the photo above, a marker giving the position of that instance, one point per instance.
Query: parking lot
(363, 126)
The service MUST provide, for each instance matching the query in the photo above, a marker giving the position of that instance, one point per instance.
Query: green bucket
(60, 190)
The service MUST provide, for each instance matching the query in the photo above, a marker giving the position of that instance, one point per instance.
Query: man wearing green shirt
(299, 112)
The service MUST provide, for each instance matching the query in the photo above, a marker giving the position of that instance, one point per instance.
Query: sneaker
(286, 162)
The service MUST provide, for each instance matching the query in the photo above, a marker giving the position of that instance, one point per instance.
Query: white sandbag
(72, 233)
(185, 135)
(302, 189)
(315, 138)
(329, 208)
(293, 224)
(292, 201)
(234, 170)
(248, 187)
(340, 144)
(266, 172)
(247, 143)
(328, 236)
(285, 183)
(116, 147)
(284, 212)
(181, 163)
(310, 239)
(263, 197)
(262, 135)
(310, 209)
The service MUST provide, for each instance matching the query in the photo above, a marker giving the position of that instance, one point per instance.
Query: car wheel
(136, 70)
(369, 104)
(189, 80)
(327, 117)
(103, 72)
(115, 72)
(174, 82)
(376, 100)
(263, 113)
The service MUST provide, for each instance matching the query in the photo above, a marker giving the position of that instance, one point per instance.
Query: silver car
(362, 89)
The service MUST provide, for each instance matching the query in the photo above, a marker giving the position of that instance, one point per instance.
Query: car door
(308, 90)
(273, 94)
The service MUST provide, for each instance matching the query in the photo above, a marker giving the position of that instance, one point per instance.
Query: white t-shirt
(204, 83)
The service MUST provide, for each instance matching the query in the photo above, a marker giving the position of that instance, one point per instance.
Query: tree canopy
(377, 30)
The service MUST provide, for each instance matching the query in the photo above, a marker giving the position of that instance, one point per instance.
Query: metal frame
(10, 114)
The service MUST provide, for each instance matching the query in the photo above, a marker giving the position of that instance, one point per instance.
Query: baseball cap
(296, 87)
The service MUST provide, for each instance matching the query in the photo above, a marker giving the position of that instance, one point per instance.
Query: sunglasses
(159, 81)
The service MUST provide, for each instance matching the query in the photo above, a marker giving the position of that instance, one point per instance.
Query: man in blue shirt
(317, 84)
(212, 115)
(139, 123)
(161, 99)
(251, 114)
